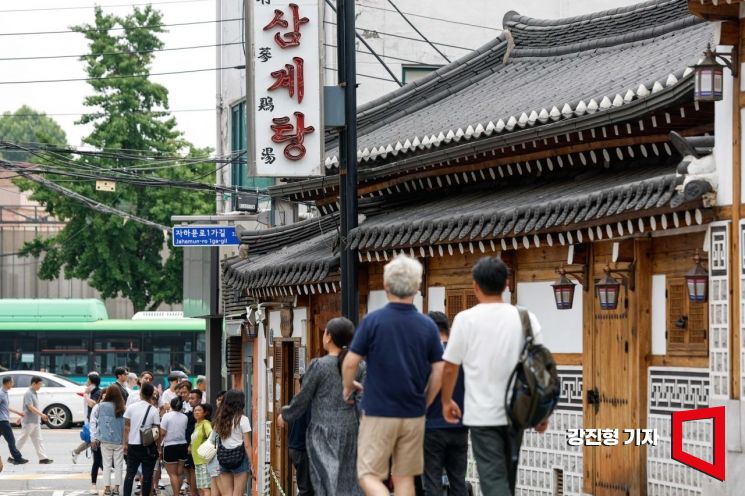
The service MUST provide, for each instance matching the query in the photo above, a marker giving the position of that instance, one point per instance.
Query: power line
(404, 37)
(101, 114)
(124, 52)
(105, 78)
(410, 61)
(104, 30)
(364, 75)
(94, 205)
(86, 7)
(411, 14)
(419, 32)
(372, 52)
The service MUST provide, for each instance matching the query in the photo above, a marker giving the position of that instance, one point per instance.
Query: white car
(59, 398)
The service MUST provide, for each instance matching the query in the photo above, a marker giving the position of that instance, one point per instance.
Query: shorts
(383, 438)
(213, 467)
(203, 477)
(175, 453)
(243, 468)
(189, 461)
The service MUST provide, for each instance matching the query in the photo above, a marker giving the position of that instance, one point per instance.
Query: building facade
(573, 143)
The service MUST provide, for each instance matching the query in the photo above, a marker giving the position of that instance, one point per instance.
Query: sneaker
(74, 456)
(17, 462)
(94, 489)
(107, 492)
(115, 491)
(46, 461)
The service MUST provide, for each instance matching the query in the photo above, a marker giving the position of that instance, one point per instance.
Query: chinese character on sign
(291, 77)
(285, 131)
(292, 38)
(265, 53)
(267, 155)
(266, 104)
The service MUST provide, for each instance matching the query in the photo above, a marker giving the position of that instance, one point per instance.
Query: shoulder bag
(150, 434)
(208, 449)
(230, 458)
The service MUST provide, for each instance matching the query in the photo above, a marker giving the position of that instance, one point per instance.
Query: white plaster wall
(436, 299)
(561, 329)
(659, 315)
(377, 300)
(299, 327)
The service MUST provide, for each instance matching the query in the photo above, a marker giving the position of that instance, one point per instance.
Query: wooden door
(285, 351)
(615, 376)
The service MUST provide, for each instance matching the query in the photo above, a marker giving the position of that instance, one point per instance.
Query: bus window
(65, 364)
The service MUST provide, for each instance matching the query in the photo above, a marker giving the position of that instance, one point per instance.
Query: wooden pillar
(735, 230)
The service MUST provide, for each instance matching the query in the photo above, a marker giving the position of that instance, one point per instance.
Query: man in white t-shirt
(170, 393)
(146, 377)
(486, 341)
(140, 414)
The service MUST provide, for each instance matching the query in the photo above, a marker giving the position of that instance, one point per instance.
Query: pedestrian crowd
(389, 408)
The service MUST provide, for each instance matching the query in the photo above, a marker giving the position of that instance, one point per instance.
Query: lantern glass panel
(564, 295)
(697, 286)
(608, 295)
(708, 83)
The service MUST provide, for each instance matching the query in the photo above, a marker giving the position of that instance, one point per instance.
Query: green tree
(28, 126)
(128, 113)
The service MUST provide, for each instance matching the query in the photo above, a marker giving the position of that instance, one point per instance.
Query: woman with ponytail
(331, 439)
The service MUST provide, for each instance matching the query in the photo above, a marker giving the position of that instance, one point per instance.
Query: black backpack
(534, 383)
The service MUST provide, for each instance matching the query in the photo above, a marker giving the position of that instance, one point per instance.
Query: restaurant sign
(285, 86)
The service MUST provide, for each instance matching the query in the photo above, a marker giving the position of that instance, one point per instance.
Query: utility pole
(347, 72)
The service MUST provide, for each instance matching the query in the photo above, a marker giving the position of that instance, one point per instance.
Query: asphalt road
(61, 478)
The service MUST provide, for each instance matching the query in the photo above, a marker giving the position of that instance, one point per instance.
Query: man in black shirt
(121, 380)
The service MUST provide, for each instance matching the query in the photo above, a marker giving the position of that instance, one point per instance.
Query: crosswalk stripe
(58, 493)
(29, 477)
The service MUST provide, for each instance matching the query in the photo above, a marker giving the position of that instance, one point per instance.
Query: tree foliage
(27, 126)
(129, 112)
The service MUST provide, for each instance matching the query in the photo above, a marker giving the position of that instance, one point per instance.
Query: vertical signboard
(286, 123)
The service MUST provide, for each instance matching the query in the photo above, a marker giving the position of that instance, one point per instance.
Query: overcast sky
(187, 91)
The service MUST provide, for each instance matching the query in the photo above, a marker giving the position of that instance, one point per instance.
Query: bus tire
(60, 416)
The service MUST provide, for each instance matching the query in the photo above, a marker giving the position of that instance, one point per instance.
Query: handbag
(208, 449)
(230, 458)
(85, 434)
(150, 434)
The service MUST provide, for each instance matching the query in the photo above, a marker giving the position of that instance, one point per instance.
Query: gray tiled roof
(540, 207)
(546, 205)
(310, 261)
(555, 63)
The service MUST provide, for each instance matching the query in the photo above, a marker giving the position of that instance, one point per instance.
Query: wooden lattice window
(457, 300)
(687, 322)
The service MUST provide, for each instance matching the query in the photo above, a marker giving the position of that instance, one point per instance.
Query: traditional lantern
(608, 290)
(697, 280)
(709, 74)
(563, 291)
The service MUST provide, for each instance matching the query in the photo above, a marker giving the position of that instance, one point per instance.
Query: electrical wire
(411, 14)
(124, 52)
(86, 7)
(106, 78)
(434, 47)
(404, 37)
(410, 61)
(359, 74)
(106, 30)
(101, 114)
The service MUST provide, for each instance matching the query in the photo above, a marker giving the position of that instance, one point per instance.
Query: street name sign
(205, 236)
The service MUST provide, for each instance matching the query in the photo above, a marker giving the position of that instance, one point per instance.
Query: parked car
(59, 398)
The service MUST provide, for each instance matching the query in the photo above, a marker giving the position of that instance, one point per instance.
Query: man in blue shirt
(5, 430)
(445, 444)
(404, 367)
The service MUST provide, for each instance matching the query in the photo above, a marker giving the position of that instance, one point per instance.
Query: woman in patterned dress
(331, 438)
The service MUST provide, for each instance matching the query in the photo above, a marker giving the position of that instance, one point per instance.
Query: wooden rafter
(722, 11)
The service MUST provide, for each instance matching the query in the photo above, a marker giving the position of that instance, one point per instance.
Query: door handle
(593, 398)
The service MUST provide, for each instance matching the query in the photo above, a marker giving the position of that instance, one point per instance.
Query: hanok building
(571, 144)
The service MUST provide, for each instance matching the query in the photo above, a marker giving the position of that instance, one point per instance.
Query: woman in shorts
(202, 432)
(175, 448)
(234, 429)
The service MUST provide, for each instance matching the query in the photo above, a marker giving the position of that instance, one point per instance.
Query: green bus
(73, 337)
